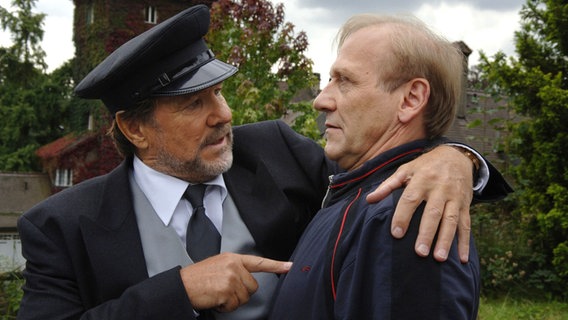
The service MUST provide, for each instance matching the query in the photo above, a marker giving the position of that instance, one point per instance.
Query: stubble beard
(197, 170)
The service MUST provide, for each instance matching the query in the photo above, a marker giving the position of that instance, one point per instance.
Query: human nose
(324, 101)
(221, 113)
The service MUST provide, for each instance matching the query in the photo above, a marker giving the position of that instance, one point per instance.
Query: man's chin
(331, 152)
(220, 164)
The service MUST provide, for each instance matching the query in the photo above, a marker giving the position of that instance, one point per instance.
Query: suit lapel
(264, 208)
(112, 238)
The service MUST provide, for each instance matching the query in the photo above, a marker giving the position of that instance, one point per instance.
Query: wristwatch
(474, 159)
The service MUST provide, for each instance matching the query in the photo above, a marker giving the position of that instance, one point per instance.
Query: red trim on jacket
(341, 184)
(337, 241)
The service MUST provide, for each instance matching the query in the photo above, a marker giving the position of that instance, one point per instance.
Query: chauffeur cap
(167, 60)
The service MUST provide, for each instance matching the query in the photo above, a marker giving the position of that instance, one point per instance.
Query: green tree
(537, 83)
(27, 33)
(32, 103)
(273, 67)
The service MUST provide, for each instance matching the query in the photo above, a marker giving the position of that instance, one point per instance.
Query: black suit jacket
(83, 252)
(83, 249)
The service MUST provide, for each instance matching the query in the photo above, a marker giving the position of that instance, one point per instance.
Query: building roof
(64, 145)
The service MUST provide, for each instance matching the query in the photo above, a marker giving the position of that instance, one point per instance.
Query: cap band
(165, 78)
(165, 71)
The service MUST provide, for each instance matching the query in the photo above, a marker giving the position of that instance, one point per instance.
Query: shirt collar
(164, 191)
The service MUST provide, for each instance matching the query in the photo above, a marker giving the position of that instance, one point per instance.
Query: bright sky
(484, 25)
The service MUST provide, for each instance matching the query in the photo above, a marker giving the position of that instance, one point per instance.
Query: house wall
(18, 193)
(482, 126)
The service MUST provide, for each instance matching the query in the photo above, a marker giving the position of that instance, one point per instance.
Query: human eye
(218, 89)
(343, 82)
(339, 78)
(343, 79)
(193, 103)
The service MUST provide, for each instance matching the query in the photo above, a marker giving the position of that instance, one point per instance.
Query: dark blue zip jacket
(348, 266)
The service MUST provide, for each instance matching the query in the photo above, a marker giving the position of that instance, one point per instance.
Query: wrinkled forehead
(364, 51)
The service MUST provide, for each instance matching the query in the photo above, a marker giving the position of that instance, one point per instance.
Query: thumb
(260, 264)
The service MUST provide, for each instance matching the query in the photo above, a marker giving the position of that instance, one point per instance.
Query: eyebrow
(340, 70)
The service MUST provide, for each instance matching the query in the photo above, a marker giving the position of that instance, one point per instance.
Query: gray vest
(163, 250)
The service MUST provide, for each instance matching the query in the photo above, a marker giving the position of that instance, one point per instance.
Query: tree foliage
(32, 103)
(27, 33)
(272, 61)
(537, 83)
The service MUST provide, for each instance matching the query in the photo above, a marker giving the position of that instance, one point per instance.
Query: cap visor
(206, 76)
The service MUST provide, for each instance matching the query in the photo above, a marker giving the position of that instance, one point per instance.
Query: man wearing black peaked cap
(114, 247)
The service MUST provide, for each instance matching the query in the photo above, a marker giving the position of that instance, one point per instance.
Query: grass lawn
(513, 309)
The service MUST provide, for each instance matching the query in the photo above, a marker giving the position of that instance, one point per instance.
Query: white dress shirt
(483, 176)
(165, 194)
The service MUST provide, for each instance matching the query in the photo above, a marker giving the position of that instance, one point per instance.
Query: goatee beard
(197, 170)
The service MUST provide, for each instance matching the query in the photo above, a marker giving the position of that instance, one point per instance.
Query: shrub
(10, 294)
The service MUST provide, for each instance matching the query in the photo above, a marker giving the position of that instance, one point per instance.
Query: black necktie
(202, 238)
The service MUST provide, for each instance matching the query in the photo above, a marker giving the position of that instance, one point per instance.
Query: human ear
(132, 130)
(416, 95)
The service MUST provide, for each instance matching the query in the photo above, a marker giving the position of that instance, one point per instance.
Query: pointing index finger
(260, 264)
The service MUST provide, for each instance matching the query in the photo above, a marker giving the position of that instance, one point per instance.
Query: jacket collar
(377, 168)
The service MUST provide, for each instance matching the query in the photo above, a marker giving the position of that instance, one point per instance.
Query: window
(63, 178)
(151, 15)
(11, 252)
(90, 13)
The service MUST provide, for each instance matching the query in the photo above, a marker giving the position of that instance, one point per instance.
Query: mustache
(220, 132)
